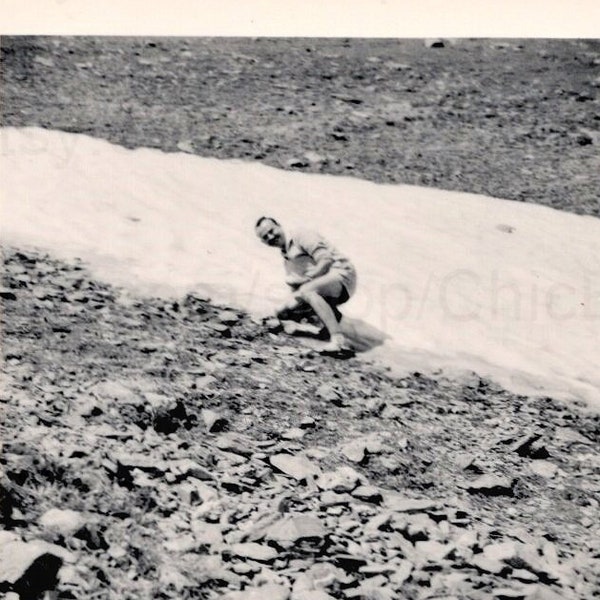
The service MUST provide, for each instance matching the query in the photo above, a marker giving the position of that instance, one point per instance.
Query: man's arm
(323, 262)
(318, 249)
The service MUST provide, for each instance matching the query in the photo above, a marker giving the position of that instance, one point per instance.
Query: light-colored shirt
(304, 248)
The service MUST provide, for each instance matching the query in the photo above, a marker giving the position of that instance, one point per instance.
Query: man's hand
(295, 281)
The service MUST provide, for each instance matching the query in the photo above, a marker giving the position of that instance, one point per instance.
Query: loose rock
(296, 466)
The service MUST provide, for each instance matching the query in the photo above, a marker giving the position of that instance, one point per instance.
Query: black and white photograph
(299, 316)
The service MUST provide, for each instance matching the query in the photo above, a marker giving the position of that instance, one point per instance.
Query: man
(320, 277)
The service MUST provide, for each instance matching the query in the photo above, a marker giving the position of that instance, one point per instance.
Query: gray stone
(307, 423)
(491, 485)
(434, 43)
(311, 595)
(185, 145)
(543, 468)
(372, 569)
(7, 294)
(378, 522)
(186, 467)
(143, 462)
(181, 544)
(330, 498)
(314, 158)
(228, 317)
(295, 528)
(501, 551)
(330, 393)
(434, 551)
(30, 568)
(295, 466)
(234, 444)
(207, 534)
(524, 576)
(117, 391)
(254, 551)
(368, 493)
(401, 572)
(295, 433)
(63, 522)
(349, 562)
(296, 163)
(506, 593)
(269, 591)
(222, 329)
(355, 451)
(570, 436)
(410, 505)
(530, 446)
(319, 576)
(371, 591)
(344, 479)
(487, 565)
(213, 420)
(541, 592)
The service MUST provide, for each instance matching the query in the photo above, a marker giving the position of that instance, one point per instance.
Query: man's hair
(266, 219)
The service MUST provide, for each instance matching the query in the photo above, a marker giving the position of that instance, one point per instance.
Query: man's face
(270, 233)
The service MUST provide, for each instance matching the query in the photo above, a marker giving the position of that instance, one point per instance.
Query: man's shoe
(338, 345)
(306, 329)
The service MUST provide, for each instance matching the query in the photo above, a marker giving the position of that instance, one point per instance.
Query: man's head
(270, 232)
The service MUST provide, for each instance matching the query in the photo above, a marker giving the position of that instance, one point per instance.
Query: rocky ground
(517, 119)
(158, 448)
(175, 449)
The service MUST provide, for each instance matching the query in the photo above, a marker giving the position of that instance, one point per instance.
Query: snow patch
(508, 289)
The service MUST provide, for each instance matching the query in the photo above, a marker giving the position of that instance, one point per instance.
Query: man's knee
(306, 296)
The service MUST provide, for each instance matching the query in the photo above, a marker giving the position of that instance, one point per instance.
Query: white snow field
(458, 281)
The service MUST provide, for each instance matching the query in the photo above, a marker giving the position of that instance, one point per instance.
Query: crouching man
(320, 277)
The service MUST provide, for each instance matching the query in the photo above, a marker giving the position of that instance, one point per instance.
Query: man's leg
(317, 292)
